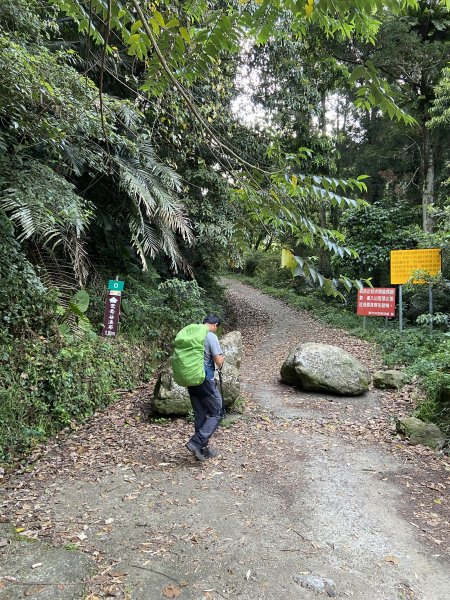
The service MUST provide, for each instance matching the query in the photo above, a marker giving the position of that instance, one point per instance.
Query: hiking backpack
(188, 358)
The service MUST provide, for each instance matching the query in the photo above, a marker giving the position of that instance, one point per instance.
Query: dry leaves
(121, 438)
(171, 591)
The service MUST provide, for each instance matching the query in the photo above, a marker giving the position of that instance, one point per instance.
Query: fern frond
(156, 215)
(45, 207)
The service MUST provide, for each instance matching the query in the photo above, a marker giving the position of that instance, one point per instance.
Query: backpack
(188, 358)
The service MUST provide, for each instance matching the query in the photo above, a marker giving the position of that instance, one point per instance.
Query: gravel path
(311, 495)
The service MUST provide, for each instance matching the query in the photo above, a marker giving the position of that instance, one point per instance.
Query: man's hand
(218, 359)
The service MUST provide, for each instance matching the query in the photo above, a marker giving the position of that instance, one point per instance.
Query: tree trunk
(268, 244)
(428, 180)
(323, 114)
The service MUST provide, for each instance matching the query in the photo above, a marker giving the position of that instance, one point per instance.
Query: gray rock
(172, 399)
(287, 372)
(389, 379)
(317, 584)
(326, 368)
(231, 344)
(419, 432)
(169, 397)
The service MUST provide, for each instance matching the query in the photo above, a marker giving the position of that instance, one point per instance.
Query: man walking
(205, 398)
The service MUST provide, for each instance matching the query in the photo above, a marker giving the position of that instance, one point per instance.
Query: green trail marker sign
(115, 285)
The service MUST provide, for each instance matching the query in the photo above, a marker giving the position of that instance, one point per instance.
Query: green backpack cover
(188, 359)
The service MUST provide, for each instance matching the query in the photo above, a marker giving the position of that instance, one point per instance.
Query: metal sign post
(430, 305)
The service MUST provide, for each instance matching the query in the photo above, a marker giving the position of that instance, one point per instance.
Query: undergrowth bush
(49, 384)
(153, 311)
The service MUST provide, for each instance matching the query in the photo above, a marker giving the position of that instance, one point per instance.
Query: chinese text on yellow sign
(405, 262)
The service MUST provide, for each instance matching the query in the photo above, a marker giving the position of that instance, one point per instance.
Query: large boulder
(231, 344)
(390, 379)
(172, 399)
(419, 432)
(325, 368)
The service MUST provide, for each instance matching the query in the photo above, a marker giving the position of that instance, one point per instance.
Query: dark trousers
(207, 405)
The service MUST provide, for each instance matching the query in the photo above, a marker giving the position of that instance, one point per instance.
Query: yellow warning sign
(405, 262)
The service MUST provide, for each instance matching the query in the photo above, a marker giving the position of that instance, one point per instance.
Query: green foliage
(267, 269)
(45, 208)
(73, 322)
(288, 209)
(251, 261)
(26, 308)
(184, 302)
(373, 231)
(21, 15)
(440, 110)
(49, 385)
(57, 143)
(156, 215)
(435, 373)
(373, 91)
(436, 320)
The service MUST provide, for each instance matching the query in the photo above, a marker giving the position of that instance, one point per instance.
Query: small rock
(419, 432)
(317, 584)
(389, 379)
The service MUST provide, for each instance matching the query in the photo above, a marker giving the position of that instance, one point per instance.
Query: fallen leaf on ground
(391, 559)
(171, 591)
(34, 590)
(118, 573)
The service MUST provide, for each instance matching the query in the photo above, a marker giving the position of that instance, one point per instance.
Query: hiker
(205, 398)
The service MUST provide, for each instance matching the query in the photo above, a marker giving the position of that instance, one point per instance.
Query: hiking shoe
(195, 451)
(209, 452)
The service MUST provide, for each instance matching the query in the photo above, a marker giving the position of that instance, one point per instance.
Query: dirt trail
(306, 484)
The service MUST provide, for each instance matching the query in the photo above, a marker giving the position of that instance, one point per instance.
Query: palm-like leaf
(45, 208)
(156, 215)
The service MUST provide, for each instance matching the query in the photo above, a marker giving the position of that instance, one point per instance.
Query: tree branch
(185, 95)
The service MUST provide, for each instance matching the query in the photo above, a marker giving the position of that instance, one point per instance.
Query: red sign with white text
(376, 302)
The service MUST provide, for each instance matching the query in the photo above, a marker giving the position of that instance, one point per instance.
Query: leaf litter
(122, 438)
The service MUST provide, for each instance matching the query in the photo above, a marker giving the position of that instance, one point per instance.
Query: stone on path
(325, 368)
(172, 399)
(317, 584)
(419, 432)
(390, 379)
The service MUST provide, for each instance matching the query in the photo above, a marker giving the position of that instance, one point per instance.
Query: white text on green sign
(118, 286)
